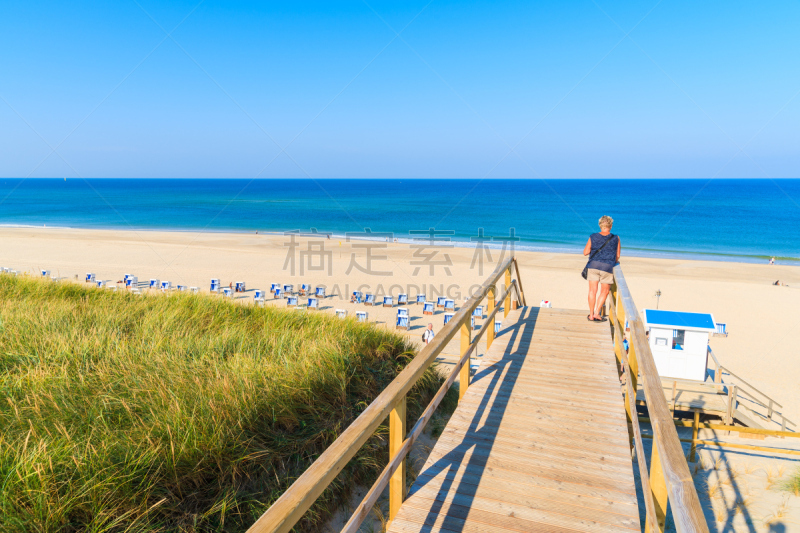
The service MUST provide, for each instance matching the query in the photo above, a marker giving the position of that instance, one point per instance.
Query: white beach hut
(679, 342)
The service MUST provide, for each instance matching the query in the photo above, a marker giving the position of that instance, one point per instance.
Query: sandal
(600, 320)
(589, 318)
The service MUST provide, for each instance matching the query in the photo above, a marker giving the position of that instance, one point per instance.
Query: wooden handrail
(380, 484)
(670, 477)
(292, 504)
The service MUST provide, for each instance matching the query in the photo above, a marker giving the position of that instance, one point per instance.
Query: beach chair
(362, 316)
(420, 299)
(260, 302)
(239, 286)
(402, 322)
(478, 312)
(369, 299)
(227, 292)
(45, 273)
(722, 329)
(165, 286)
(402, 311)
(274, 286)
(388, 301)
(448, 317)
(341, 313)
(320, 292)
(498, 323)
(402, 299)
(427, 308)
(440, 301)
(357, 296)
(215, 286)
(278, 293)
(132, 282)
(154, 283)
(194, 290)
(291, 301)
(181, 288)
(288, 289)
(258, 294)
(101, 283)
(545, 304)
(313, 303)
(449, 305)
(305, 289)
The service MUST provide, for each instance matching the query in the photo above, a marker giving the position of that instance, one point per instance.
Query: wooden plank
(538, 443)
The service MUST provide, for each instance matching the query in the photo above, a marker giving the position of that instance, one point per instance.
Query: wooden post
(397, 433)
(693, 452)
(731, 406)
(658, 486)
(489, 309)
(464, 374)
(507, 302)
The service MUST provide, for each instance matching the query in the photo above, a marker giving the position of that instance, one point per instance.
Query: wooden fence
(668, 479)
(290, 507)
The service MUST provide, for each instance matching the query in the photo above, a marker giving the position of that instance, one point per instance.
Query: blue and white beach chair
(448, 317)
(362, 316)
(89, 276)
(427, 308)
(288, 289)
(181, 288)
(258, 295)
(101, 283)
(45, 273)
(388, 301)
(305, 288)
(291, 301)
(132, 282)
(402, 319)
(402, 299)
(369, 299)
(278, 293)
(420, 299)
(227, 292)
(357, 296)
(313, 303)
(498, 324)
(239, 286)
(320, 292)
(165, 285)
(478, 312)
(440, 301)
(274, 286)
(341, 313)
(449, 305)
(154, 283)
(214, 285)
(722, 329)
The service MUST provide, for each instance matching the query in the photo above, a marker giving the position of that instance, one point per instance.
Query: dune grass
(176, 413)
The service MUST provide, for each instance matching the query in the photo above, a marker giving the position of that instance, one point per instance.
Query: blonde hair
(606, 221)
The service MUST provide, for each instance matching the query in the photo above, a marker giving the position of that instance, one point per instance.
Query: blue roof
(678, 319)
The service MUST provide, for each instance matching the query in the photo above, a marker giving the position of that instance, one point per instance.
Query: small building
(679, 342)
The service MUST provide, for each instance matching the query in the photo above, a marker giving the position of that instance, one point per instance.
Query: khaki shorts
(601, 276)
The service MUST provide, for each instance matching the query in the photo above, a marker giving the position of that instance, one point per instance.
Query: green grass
(181, 413)
(793, 483)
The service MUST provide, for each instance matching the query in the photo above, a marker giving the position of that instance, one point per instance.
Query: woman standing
(604, 248)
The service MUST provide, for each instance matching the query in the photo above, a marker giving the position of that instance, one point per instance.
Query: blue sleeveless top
(607, 258)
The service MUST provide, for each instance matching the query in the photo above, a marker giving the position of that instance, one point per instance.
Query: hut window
(678, 336)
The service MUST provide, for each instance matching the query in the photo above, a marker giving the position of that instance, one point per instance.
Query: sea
(725, 220)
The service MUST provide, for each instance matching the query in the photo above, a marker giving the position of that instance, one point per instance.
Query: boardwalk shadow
(501, 376)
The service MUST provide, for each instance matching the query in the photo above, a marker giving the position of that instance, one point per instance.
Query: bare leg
(592, 297)
(601, 299)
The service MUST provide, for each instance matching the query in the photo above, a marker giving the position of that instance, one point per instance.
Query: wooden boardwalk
(538, 443)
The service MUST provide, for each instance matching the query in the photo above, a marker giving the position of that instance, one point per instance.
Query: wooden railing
(745, 389)
(669, 478)
(391, 403)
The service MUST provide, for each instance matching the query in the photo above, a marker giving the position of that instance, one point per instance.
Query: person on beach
(427, 335)
(603, 249)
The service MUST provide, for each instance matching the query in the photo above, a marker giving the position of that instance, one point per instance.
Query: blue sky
(467, 90)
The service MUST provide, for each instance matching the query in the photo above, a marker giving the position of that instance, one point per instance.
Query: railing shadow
(502, 374)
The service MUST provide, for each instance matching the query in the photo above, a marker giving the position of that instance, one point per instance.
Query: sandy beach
(762, 325)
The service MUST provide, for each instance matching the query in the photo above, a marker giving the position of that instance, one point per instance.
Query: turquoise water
(742, 220)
